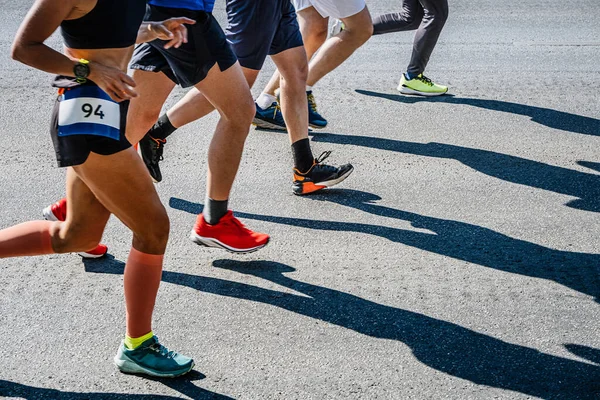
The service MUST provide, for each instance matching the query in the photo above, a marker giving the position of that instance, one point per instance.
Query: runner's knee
(295, 76)
(153, 234)
(240, 114)
(314, 34)
(359, 32)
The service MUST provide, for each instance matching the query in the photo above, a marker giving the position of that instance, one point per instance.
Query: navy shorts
(80, 127)
(190, 63)
(258, 28)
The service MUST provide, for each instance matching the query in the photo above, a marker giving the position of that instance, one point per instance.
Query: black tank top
(111, 24)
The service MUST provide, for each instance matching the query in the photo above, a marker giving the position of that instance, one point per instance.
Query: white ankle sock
(265, 100)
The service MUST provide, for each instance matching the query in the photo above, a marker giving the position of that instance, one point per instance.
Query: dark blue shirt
(196, 5)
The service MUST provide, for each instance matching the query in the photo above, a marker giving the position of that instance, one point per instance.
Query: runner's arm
(29, 48)
(172, 29)
(41, 21)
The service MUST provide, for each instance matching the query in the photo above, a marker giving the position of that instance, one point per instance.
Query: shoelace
(322, 157)
(162, 350)
(317, 164)
(277, 109)
(157, 154)
(425, 80)
(239, 224)
(324, 167)
(312, 103)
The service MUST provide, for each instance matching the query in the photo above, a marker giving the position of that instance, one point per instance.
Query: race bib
(87, 110)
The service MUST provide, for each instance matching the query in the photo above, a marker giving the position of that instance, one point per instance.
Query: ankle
(214, 210)
(303, 156)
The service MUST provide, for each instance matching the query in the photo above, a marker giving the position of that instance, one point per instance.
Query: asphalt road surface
(461, 260)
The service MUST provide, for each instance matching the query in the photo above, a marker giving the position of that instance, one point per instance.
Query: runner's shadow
(548, 117)
(585, 352)
(439, 344)
(584, 186)
(459, 240)
(182, 384)
(591, 165)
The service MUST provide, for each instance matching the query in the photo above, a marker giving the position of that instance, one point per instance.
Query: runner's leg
(153, 89)
(358, 29)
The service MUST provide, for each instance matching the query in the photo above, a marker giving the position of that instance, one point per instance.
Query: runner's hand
(117, 84)
(172, 29)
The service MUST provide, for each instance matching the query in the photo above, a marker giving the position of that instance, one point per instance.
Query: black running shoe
(152, 154)
(320, 176)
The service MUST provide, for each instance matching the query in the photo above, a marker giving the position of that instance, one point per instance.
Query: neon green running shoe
(154, 359)
(421, 85)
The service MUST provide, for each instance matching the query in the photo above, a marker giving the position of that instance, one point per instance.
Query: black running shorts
(190, 63)
(85, 119)
(258, 28)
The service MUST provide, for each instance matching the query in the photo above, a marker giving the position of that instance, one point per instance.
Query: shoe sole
(211, 242)
(49, 216)
(328, 184)
(406, 90)
(318, 126)
(90, 256)
(259, 123)
(129, 367)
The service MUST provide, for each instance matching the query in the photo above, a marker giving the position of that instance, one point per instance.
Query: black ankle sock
(162, 128)
(303, 157)
(214, 210)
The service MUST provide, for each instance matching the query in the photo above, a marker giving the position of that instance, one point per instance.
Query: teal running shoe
(154, 359)
(269, 118)
(315, 120)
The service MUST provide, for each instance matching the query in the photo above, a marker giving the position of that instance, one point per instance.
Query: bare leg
(103, 184)
(230, 94)
(358, 29)
(189, 108)
(122, 186)
(82, 230)
(313, 28)
(153, 89)
(194, 105)
(293, 66)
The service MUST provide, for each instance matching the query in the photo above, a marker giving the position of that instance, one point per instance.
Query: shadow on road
(585, 352)
(441, 345)
(459, 240)
(551, 118)
(183, 384)
(584, 186)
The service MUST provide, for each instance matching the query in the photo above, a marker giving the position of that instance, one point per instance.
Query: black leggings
(427, 17)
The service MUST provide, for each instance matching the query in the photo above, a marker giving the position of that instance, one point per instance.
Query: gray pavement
(461, 260)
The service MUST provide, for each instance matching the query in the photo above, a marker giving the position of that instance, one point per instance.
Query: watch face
(81, 70)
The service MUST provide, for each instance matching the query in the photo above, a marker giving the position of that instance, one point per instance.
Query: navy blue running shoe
(270, 118)
(315, 120)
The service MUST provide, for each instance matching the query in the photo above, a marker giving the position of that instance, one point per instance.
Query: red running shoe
(229, 234)
(58, 212)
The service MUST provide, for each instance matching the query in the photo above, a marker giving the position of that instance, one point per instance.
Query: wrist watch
(81, 70)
